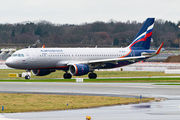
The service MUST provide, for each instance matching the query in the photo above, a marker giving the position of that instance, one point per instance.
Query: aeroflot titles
(60, 51)
(51, 50)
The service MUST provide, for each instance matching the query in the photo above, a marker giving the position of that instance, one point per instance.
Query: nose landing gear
(27, 77)
(27, 74)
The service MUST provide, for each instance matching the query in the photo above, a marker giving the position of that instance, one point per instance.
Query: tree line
(99, 33)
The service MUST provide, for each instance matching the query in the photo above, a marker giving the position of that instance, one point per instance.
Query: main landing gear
(67, 76)
(92, 75)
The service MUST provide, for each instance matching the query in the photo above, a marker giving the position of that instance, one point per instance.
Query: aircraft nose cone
(9, 62)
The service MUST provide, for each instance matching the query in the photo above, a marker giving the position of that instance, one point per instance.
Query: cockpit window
(17, 55)
(14, 55)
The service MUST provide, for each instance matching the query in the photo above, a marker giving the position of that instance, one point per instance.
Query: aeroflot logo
(51, 50)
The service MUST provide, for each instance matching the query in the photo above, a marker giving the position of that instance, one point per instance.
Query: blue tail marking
(143, 38)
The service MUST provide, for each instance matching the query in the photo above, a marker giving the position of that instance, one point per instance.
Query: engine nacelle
(42, 72)
(78, 69)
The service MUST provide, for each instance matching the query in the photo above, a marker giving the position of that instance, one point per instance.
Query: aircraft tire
(27, 77)
(67, 76)
(92, 76)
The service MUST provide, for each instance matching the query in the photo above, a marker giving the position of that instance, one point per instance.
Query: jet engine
(78, 69)
(42, 72)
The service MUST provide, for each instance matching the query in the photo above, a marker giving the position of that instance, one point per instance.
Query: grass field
(58, 74)
(109, 80)
(31, 102)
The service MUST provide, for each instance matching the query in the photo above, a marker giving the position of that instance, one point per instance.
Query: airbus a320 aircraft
(81, 61)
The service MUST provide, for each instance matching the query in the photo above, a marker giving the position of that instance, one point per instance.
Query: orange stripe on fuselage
(126, 54)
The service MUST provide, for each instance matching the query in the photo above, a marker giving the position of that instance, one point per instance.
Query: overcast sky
(81, 11)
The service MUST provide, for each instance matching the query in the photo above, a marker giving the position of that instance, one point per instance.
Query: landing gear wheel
(27, 77)
(67, 76)
(92, 76)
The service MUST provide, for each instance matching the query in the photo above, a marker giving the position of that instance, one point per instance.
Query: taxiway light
(2, 108)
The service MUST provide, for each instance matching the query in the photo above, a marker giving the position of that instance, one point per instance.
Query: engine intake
(78, 69)
(42, 72)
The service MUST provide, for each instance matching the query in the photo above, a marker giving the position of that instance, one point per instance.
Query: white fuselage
(42, 58)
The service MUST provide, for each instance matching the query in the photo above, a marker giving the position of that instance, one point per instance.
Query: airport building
(4, 54)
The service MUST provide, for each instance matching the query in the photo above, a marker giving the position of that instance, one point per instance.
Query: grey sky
(81, 11)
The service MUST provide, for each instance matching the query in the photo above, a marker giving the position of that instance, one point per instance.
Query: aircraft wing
(113, 60)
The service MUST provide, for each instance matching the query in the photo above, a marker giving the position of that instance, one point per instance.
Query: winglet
(159, 49)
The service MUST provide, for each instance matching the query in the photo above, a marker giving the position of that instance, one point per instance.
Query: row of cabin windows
(84, 55)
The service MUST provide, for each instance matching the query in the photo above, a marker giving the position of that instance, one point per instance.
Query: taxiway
(169, 109)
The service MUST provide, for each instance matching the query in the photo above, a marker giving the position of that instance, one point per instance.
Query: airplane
(81, 61)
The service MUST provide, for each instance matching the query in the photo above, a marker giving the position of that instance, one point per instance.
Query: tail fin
(143, 38)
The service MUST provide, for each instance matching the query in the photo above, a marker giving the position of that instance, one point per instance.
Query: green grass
(109, 80)
(14, 103)
(59, 74)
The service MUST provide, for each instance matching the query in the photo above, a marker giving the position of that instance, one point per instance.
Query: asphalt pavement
(166, 110)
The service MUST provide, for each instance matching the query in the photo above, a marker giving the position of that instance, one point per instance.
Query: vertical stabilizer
(143, 38)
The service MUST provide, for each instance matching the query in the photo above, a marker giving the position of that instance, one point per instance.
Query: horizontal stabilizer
(153, 54)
